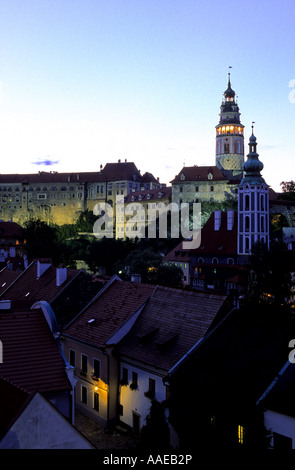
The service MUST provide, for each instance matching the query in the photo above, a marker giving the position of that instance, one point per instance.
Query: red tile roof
(51, 177)
(121, 171)
(7, 276)
(11, 230)
(170, 325)
(199, 173)
(31, 358)
(110, 310)
(222, 241)
(178, 254)
(111, 172)
(28, 289)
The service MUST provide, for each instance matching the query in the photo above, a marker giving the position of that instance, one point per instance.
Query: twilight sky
(86, 82)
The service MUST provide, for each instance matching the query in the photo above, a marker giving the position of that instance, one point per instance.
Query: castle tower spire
(230, 135)
(253, 202)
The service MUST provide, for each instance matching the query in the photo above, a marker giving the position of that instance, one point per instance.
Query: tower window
(247, 202)
(247, 223)
(226, 148)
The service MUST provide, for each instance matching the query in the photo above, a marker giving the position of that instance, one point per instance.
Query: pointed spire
(253, 165)
(229, 94)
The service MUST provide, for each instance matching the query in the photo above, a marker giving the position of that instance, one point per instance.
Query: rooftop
(222, 241)
(31, 358)
(171, 323)
(199, 173)
(37, 282)
(107, 313)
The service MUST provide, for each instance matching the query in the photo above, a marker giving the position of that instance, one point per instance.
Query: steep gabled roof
(109, 312)
(75, 296)
(10, 230)
(171, 323)
(7, 277)
(198, 173)
(28, 288)
(31, 357)
(222, 241)
(121, 172)
(178, 254)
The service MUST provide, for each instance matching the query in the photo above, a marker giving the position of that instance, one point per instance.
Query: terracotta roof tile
(170, 325)
(7, 276)
(28, 288)
(110, 310)
(199, 173)
(31, 358)
(222, 241)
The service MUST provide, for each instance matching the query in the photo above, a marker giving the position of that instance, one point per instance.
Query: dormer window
(182, 177)
(210, 176)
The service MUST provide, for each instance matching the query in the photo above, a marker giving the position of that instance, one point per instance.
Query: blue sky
(86, 82)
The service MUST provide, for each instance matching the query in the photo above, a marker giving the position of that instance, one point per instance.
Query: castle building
(253, 203)
(219, 182)
(60, 197)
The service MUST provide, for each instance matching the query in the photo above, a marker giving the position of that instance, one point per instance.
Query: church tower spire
(230, 136)
(253, 203)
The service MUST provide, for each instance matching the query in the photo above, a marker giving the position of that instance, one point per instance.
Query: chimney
(230, 219)
(61, 275)
(41, 268)
(217, 220)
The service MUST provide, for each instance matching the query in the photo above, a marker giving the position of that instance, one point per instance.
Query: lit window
(241, 434)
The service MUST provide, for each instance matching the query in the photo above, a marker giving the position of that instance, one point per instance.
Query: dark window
(72, 358)
(134, 383)
(152, 387)
(124, 376)
(84, 363)
(96, 401)
(96, 368)
(84, 394)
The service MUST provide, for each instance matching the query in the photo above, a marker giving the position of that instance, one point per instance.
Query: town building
(170, 325)
(88, 342)
(139, 209)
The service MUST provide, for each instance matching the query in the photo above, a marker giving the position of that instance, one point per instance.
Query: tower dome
(253, 166)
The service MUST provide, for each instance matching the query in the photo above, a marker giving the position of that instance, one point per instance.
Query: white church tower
(253, 203)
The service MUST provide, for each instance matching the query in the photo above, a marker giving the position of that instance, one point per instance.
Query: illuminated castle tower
(253, 203)
(230, 136)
